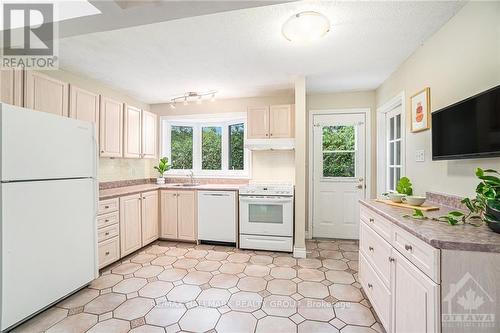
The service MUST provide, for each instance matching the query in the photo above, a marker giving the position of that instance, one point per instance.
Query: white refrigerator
(48, 203)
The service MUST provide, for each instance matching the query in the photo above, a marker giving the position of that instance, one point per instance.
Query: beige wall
(460, 60)
(111, 169)
(266, 165)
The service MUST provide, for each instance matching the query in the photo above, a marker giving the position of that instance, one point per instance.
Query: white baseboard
(299, 252)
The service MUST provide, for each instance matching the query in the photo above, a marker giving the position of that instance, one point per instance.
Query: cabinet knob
(106, 220)
(107, 253)
(372, 220)
(107, 233)
(271, 134)
(391, 259)
(106, 207)
(370, 248)
(267, 134)
(370, 285)
(102, 151)
(408, 247)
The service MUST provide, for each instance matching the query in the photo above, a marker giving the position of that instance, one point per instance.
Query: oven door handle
(266, 200)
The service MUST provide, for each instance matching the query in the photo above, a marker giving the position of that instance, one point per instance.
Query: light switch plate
(419, 155)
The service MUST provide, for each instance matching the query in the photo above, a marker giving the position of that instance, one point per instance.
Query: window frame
(197, 123)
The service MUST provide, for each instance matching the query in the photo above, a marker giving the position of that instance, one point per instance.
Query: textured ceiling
(242, 53)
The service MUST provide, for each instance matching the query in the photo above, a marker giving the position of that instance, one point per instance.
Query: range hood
(270, 144)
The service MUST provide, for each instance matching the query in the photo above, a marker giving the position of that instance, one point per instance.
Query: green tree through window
(182, 147)
(236, 150)
(339, 151)
(211, 151)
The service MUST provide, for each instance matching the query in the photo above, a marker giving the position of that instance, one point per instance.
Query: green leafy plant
(162, 166)
(404, 186)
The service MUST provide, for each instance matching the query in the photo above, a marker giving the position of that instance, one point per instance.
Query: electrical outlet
(419, 155)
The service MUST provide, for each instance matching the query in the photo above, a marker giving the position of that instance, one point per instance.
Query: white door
(338, 174)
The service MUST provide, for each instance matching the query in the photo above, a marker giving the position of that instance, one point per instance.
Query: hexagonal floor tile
(224, 281)
(183, 293)
(357, 329)
(328, 245)
(285, 261)
(196, 254)
(176, 252)
(250, 283)
(354, 314)
(331, 254)
(156, 249)
(185, 263)
(256, 270)
(309, 274)
(197, 278)
(213, 297)
(245, 301)
(106, 281)
(232, 268)
(130, 285)
(281, 306)
(208, 266)
(165, 314)
(77, 323)
(353, 264)
(43, 321)
(283, 272)
(148, 271)
(345, 292)
(281, 287)
(349, 247)
(105, 303)
(316, 327)
(79, 299)
(147, 329)
(313, 289)
(351, 255)
(156, 289)
(111, 326)
(199, 319)
(164, 261)
(216, 255)
(173, 274)
(315, 309)
(238, 258)
(335, 264)
(340, 277)
(275, 325)
(134, 308)
(261, 260)
(233, 322)
(309, 263)
(127, 268)
(143, 258)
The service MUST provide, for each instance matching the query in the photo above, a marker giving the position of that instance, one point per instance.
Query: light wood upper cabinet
(132, 132)
(281, 121)
(258, 122)
(130, 224)
(11, 86)
(149, 134)
(44, 93)
(150, 212)
(168, 213)
(276, 121)
(84, 105)
(111, 128)
(186, 218)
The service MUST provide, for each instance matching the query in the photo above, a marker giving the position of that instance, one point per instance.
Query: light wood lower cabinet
(108, 232)
(130, 224)
(150, 214)
(178, 215)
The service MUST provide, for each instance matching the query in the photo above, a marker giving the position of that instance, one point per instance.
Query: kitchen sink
(187, 184)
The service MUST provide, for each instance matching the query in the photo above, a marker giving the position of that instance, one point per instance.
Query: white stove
(266, 217)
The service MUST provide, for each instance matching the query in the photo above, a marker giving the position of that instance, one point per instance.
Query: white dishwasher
(217, 216)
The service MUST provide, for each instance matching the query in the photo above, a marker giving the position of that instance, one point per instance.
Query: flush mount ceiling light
(305, 27)
(190, 96)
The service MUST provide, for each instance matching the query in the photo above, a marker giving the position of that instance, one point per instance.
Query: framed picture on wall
(420, 108)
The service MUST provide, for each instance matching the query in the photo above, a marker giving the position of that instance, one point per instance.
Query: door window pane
(398, 153)
(211, 148)
(391, 179)
(265, 213)
(398, 175)
(236, 151)
(338, 138)
(398, 126)
(391, 131)
(339, 164)
(182, 147)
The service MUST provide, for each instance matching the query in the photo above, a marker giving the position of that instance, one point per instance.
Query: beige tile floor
(173, 287)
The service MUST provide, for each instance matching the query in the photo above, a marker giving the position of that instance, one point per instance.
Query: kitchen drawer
(108, 232)
(421, 254)
(378, 294)
(270, 243)
(108, 219)
(109, 251)
(377, 251)
(108, 206)
(376, 222)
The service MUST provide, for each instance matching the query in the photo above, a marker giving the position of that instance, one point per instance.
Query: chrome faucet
(191, 176)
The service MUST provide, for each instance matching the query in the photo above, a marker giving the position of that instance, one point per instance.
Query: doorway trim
(310, 164)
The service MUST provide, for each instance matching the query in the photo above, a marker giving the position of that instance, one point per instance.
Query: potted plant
(162, 167)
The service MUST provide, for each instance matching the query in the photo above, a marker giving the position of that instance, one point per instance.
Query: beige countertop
(132, 189)
(440, 235)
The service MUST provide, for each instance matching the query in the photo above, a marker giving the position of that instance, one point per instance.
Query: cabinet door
(111, 128)
(415, 298)
(132, 132)
(258, 122)
(281, 121)
(11, 86)
(149, 136)
(168, 213)
(46, 94)
(150, 228)
(186, 215)
(84, 105)
(130, 224)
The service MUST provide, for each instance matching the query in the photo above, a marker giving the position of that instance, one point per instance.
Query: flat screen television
(468, 129)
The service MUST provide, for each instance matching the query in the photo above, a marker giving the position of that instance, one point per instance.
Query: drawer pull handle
(408, 247)
(107, 233)
(106, 220)
(370, 248)
(106, 207)
(370, 285)
(372, 220)
(107, 253)
(391, 259)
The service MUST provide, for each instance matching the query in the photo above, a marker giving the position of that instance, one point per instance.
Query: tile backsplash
(125, 169)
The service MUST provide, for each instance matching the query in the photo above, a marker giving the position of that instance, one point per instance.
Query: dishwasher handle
(216, 194)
